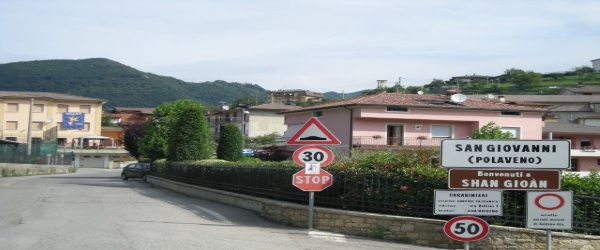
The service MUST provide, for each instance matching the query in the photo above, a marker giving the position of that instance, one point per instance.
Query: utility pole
(399, 83)
(29, 127)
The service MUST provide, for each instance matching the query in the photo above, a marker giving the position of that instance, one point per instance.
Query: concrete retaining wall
(417, 231)
(12, 169)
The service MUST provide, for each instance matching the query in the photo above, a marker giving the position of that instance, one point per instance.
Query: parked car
(248, 152)
(136, 170)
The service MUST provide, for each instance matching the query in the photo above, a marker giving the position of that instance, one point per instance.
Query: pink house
(389, 120)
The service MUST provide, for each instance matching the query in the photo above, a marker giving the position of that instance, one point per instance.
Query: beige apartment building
(292, 96)
(67, 125)
(48, 112)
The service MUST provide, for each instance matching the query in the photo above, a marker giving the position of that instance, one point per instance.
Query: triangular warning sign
(313, 133)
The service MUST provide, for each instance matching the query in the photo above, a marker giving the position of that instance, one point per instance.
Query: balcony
(380, 142)
(101, 148)
(225, 120)
(585, 151)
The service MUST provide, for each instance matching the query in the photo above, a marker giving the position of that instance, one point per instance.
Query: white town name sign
(527, 154)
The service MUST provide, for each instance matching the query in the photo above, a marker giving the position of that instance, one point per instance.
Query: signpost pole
(466, 245)
(311, 206)
(548, 239)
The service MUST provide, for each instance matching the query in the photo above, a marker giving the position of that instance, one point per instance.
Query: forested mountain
(336, 95)
(121, 85)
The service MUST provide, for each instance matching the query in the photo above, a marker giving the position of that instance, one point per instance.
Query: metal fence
(40, 153)
(372, 193)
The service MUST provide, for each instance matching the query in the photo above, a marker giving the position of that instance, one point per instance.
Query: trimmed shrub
(231, 144)
(189, 134)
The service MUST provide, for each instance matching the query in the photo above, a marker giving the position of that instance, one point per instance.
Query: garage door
(92, 161)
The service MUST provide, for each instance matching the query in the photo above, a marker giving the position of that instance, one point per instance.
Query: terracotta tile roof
(421, 101)
(48, 95)
(148, 111)
(273, 106)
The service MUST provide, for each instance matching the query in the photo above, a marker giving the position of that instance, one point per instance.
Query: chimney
(501, 99)
(450, 92)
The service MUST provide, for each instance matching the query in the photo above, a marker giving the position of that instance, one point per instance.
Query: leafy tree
(521, 79)
(131, 135)
(250, 100)
(153, 144)
(490, 131)
(373, 91)
(412, 89)
(555, 75)
(583, 71)
(107, 121)
(231, 143)
(436, 83)
(494, 88)
(263, 139)
(189, 134)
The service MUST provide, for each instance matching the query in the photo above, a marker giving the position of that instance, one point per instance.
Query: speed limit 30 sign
(466, 228)
(312, 154)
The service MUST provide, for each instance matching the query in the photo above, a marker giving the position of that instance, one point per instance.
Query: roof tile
(415, 100)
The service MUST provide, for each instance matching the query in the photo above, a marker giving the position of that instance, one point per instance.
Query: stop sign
(312, 182)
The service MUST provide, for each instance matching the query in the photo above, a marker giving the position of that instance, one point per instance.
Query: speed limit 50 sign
(466, 228)
(312, 154)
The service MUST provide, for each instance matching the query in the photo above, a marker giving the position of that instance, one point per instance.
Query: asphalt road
(95, 209)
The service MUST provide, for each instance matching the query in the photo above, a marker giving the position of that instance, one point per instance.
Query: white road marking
(327, 236)
(217, 216)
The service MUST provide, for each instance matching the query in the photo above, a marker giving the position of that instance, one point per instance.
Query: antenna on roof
(458, 98)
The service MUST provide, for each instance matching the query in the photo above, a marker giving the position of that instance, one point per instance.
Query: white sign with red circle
(549, 210)
(466, 228)
(312, 155)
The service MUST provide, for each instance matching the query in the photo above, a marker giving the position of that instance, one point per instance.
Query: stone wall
(417, 231)
(12, 169)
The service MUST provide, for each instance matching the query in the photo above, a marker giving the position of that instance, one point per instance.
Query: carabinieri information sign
(468, 202)
(529, 154)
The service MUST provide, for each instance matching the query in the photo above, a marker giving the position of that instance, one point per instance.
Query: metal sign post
(311, 208)
(548, 239)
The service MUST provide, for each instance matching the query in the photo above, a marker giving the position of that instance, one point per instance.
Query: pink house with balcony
(394, 120)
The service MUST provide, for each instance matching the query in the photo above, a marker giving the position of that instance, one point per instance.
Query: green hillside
(121, 85)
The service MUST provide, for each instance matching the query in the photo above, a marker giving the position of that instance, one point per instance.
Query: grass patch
(378, 232)
(5, 172)
(405, 240)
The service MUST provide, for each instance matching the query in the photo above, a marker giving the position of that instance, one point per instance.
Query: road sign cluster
(312, 157)
(481, 169)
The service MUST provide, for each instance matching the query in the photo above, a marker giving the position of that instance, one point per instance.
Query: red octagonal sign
(312, 182)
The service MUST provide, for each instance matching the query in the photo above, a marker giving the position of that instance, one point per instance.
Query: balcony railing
(370, 141)
(61, 145)
(226, 120)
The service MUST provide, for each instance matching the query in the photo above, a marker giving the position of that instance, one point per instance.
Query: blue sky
(316, 45)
